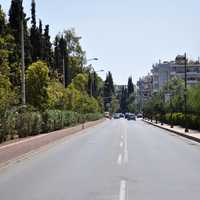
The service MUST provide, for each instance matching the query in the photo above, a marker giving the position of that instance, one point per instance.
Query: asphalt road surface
(116, 160)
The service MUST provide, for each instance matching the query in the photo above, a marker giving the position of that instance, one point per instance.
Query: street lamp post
(185, 95)
(171, 109)
(23, 87)
(92, 80)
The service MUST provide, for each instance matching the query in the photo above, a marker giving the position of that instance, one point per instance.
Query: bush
(29, 123)
(193, 121)
(8, 126)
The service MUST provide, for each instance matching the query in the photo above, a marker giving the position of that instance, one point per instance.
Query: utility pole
(185, 95)
(23, 86)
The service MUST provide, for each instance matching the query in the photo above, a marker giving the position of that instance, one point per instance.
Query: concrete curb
(173, 131)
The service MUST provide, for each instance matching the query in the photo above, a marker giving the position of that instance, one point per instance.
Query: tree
(47, 51)
(123, 100)
(37, 85)
(2, 22)
(75, 55)
(108, 90)
(130, 86)
(194, 99)
(89, 88)
(56, 93)
(95, 85)
(40, 41)
(15, 17)
(7, 95)
(114, 105)
(58, 55)
(34, 33)
(131, 104)
(80, 83)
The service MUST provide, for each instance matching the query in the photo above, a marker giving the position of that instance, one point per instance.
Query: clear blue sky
(128, 36)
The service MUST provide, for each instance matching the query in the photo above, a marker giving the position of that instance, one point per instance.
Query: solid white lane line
(123, 190)
(119, 160)
(121, 144)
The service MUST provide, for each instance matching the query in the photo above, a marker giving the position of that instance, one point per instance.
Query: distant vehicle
(107, 114)
(131, 117)
(116, 115)
(139, 115)
(121, 115)
(126, 115)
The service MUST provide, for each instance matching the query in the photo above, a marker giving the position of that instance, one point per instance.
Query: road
(116, 160)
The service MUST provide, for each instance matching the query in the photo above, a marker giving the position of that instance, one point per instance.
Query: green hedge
(31, 123)
(193, 121)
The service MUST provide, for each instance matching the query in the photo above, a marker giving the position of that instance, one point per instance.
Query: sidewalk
(19, 148)
(192, 134)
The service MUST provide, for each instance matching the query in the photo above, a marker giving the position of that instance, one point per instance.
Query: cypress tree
(47, 46)
(123, 100)
(130, 86)
(108, 89)
(15, 14)
(40, 41)
(2, 22)
(94, 85)
(34, 37)
(89, 83)
(65, 56)
(57, 55)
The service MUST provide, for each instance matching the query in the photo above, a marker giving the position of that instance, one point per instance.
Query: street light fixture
(91, 59)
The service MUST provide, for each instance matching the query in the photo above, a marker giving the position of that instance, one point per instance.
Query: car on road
(131, 117)
(116, 115)
(139, 115)
(126, 115)
(121, 115)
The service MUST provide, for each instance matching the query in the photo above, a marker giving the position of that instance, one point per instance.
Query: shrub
(28, 123)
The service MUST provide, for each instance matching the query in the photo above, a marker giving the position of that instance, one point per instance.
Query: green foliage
(130, 86)
(132, 107)
(109, 90)
(37, 85)
(28, 123)
(67, 105)
(55, 95)
(194, 99)
(114, 105)
(80, 82)
(7, 95)
(193, 121)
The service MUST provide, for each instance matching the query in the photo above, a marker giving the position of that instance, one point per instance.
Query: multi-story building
(145, 89)
(160, 74)
(163, 72)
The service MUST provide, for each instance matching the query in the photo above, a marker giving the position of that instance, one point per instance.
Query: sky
(127, 36)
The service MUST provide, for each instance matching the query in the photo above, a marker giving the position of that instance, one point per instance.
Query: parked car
(131, 117)
(107, 114)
